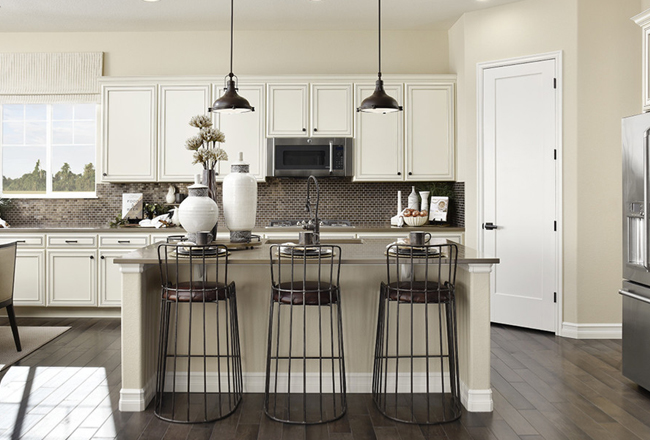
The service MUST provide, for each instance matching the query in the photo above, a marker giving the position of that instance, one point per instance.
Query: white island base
(361, 275)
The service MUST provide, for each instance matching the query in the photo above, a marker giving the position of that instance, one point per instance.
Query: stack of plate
(304, 251)
(210, 251)
(417, 251)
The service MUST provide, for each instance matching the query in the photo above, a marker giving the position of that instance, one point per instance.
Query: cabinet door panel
(177, 106)
(287, 110)
(29, 285)
(245, 133)
(331, 109)
(379, 143)
(129, 133)
(430, 132)
(110, 278)
(72, 278)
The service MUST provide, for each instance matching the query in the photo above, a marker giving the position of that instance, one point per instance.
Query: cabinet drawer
(24, 241)
(123, 241)
(72, 241)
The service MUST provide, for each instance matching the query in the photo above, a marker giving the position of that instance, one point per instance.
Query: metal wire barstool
(199, 374)
(305, 340)
(415, 373)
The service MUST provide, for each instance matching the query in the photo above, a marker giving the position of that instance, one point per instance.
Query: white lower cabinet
(29, 285)
(110, 279)
(457, 237)
(29, 280)
(72, 277)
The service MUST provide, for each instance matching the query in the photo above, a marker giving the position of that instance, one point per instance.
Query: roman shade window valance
(47, 78)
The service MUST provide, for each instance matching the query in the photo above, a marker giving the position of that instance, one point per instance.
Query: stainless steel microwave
(302, 157)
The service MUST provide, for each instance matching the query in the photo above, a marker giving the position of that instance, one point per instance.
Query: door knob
(489, 226)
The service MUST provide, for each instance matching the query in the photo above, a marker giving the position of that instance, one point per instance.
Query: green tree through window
(66, 180)
(34, 182)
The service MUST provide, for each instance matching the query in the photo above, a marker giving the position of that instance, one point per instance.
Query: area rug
(31, 338)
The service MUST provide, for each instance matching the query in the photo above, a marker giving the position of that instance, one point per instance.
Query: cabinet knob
(399, 173)
(104, 174)
(410, 173)
(304, 129)
(315, 129)
(92, 257)
(102, 257)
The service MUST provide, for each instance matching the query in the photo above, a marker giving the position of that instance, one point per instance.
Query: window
(48, 150)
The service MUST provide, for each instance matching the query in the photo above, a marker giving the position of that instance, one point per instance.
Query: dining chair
(7, 275)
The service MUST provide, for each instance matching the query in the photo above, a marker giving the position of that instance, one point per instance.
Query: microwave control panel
(339, 158)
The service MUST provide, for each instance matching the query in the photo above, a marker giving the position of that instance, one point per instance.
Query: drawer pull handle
(71, 241)
(21, 241)
(634, 296)
(124, 241)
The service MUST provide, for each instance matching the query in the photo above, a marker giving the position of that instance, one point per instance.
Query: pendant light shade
(379, 101)
(230, 101)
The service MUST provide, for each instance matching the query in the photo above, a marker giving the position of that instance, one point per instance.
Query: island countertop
(353, 251)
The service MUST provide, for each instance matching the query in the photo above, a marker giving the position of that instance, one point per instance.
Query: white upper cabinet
(643, 20)
(178, 103)
(331, 110)
(287, 108)
(129, 133)
(379, 140)
(429, 113)
(245, 132)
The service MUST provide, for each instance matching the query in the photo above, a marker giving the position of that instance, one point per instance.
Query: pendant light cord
(232, 21)
(379, 28)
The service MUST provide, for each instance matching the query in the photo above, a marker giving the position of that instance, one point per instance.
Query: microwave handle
(332, 157)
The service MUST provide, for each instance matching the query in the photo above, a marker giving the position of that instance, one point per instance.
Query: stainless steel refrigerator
(636, 249)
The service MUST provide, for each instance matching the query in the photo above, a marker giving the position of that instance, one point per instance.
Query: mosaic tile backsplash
(364, 204)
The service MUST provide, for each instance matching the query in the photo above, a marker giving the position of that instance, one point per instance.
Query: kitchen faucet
(312, 224)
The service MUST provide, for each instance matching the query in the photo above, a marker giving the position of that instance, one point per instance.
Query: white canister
(240, 201)
(198, 212)
(424, 196)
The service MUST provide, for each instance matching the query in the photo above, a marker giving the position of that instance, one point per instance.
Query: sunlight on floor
(54, 402)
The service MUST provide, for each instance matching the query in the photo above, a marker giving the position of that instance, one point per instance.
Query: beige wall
(609, 87)
(256, 52)
(601, 83)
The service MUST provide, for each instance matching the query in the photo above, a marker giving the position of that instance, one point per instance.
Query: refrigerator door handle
(634, 296)
(646, 182)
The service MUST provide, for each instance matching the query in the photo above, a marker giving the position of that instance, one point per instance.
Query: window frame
(49, 194)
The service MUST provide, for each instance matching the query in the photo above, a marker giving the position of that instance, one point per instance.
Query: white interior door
(519, 191)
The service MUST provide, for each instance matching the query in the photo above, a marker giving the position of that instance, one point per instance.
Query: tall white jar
(198, 212)
(240, 201)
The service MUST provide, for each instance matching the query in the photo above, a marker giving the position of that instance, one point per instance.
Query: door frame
(480, 193)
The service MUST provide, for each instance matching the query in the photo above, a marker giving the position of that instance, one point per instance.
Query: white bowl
(416, 221)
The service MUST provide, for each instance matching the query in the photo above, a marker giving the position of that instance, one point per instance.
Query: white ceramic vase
(198, 212)
(413, 200)
(239, 201)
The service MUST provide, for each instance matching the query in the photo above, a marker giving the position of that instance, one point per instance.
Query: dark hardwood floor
(544, 388)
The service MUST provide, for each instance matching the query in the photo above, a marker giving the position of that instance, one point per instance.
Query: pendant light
(379, 101)
(230, 101)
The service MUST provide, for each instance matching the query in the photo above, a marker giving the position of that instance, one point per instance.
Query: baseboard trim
(591, 331)
(476, 400)
(137, 399)
(479, 400)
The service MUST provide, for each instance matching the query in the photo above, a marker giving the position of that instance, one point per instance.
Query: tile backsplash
(367, 204)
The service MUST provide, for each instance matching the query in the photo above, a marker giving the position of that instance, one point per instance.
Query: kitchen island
(362, 269)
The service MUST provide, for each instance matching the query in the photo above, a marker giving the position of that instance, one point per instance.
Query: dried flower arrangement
(205, 145)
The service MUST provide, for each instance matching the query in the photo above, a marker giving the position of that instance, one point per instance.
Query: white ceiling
(204, 15)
